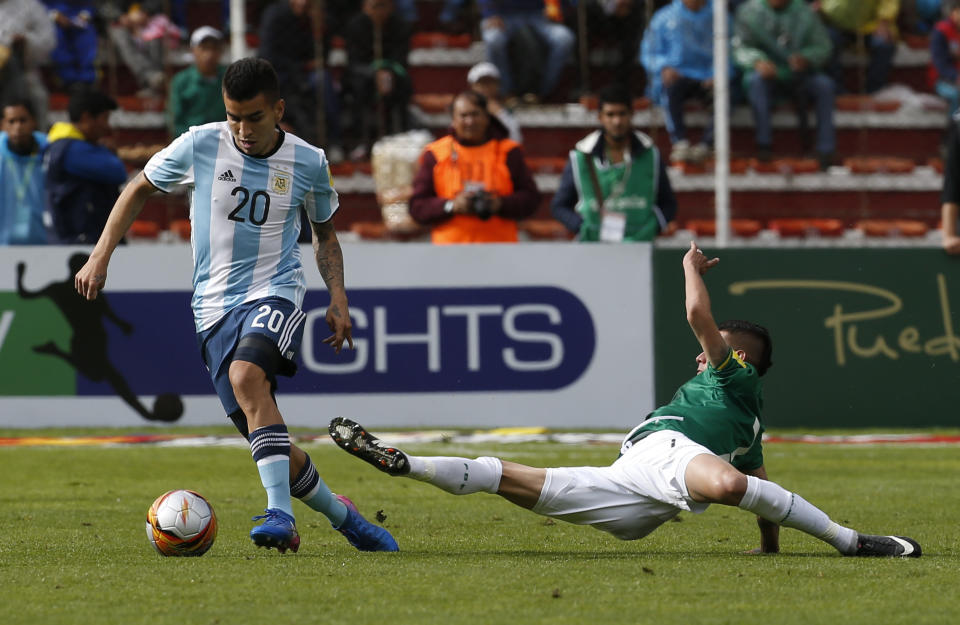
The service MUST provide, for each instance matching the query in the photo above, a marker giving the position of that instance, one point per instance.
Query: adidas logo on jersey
(227, 176)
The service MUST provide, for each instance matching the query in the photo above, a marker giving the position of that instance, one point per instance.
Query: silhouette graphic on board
(88, 346)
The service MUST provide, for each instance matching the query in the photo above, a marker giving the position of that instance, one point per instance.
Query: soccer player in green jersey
(703, 447)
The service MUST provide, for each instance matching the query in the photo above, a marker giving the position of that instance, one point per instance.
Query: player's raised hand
(91, 278)
(338, 320)
(695, 260)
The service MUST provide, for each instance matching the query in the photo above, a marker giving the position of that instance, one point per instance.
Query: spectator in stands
(503, 21)
(677, 53)
(21, 176)
(83, 174)
(876, 21)
(780, 46)
(378, 42)
(945, 56)
(76, 41)
(455, 16)
(484, 78)
(287, 41)
(950, 198)
(920, 16)
(142, 36)
(615, 186)
(407, 11)
(196, 95)
(473, 184)
(617, 26)
(26, 39)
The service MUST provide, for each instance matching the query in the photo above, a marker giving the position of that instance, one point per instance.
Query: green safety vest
(629, 188)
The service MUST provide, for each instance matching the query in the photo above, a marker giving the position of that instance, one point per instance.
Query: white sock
(458, 476)
(774, 503)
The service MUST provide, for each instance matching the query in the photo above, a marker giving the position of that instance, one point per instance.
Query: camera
(481, 205)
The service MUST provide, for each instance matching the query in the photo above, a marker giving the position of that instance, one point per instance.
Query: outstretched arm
(769, 531)
(699, 315)
(93, 275)
(326, 249)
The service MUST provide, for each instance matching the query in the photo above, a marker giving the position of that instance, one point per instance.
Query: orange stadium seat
(345, 169)
(875, 165)
(806, 227)
(589, 101)
(428, 39)
(181, 227)
(739, 165)
(144, 229)
(692, 168)
(364, 167)
(786, 165)
(892, 227)
(134, 103)
(739, 227)
(369, 230)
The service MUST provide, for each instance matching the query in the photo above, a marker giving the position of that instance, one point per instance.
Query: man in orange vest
(473, 184)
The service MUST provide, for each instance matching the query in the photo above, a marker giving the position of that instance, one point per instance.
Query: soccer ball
(181, 523)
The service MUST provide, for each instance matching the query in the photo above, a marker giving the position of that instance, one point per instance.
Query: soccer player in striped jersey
(248, 181)
(703, 447)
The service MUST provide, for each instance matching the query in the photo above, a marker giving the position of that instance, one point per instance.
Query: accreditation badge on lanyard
(613, 225)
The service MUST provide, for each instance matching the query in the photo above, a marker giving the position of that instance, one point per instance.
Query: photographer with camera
(473, 184)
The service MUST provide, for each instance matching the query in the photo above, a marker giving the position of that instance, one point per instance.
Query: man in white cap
(484, 78)
(195, 93)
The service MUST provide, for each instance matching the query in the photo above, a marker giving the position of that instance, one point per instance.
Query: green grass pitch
(73, 547)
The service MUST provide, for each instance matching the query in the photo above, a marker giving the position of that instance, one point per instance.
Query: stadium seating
(886, 148)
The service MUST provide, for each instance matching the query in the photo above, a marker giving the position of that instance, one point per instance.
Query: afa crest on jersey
(281, 183)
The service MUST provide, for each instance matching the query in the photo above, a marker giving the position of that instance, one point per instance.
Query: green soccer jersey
(720, 409)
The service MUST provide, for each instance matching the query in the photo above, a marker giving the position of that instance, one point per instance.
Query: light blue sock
(275, 477)
(270, 446)
(311, 490)
(326, 503)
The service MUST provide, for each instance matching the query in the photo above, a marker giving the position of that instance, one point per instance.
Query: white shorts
(644, 488)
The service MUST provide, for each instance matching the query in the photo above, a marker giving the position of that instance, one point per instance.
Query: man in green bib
(615, 185)
(703, 447)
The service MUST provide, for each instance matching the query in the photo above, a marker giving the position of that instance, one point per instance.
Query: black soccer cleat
(355, 440)
(887, 546)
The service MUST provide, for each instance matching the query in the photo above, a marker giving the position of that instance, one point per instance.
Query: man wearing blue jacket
(83, 176)
(677, 53)
(21, 175)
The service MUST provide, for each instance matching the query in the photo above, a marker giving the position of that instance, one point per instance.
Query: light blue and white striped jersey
(244, 212)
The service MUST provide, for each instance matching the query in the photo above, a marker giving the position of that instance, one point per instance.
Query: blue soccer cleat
(277, 531)
(363, 534)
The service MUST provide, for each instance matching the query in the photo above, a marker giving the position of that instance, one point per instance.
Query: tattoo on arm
(329, 256)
